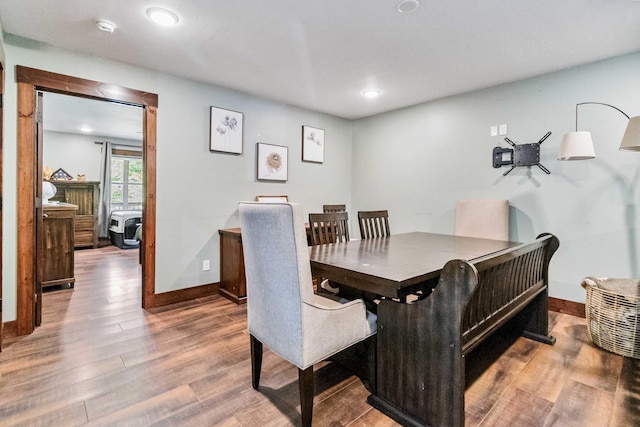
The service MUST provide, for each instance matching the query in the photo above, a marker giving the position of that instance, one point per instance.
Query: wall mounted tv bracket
(519, 155)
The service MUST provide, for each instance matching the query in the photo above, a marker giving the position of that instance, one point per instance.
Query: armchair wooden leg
(256, 361)
(305, 384)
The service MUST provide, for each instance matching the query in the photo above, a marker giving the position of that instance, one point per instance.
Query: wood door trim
(29, 81)
(60, 83)
(39, 226)
(148, 246)
(26, 224)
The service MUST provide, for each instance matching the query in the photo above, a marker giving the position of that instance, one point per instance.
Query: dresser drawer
(84, 230)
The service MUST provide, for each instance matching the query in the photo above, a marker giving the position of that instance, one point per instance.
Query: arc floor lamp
(578, 145)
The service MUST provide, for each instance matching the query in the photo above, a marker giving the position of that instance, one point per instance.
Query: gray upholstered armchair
(283, 311)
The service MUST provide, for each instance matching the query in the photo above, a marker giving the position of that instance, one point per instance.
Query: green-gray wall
(418, 161)
(197, 191)
(415, 162)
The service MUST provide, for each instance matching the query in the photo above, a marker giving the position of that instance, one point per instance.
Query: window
(126, 182)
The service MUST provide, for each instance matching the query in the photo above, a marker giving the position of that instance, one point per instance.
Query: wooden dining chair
(334, 208)
(330, 227)
(373, 224)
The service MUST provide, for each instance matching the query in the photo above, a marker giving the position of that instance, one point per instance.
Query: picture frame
(226, 131)
(272, 199)
(272, 162)
(312, 144)
(61, 175)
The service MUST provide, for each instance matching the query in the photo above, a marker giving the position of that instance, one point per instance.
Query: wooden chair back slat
(334, 208)
(373, 224)
(331, 227)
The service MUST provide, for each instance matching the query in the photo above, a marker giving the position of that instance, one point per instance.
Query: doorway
(98, 144)
(29, 200)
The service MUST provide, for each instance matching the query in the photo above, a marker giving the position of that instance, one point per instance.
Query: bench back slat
(504, 283)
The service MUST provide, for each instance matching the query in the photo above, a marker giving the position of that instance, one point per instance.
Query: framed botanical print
(226, 131)
(312, 144)
(272, 162)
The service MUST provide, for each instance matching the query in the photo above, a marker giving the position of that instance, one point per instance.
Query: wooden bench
(422, 345)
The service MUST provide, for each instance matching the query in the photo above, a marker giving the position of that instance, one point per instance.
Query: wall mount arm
(519, 155)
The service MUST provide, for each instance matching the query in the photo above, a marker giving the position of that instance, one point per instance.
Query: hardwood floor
(99, 359)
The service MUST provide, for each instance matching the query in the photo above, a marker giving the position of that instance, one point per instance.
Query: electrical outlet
(503, 129)
(493, 131)
(205, 265)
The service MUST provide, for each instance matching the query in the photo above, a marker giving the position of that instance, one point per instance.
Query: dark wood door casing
(29, 81)
(39, 213)
(26, 230)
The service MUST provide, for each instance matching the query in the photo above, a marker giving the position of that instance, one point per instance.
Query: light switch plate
(493, 131)
(503, 129)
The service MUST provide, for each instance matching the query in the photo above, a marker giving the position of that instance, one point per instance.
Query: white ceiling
(63, 113)
(321, 54)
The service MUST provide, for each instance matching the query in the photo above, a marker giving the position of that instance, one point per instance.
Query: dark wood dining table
(397, 265)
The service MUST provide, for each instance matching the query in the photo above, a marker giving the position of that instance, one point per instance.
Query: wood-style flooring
(99, 359)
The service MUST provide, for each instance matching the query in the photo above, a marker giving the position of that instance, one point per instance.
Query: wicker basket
(613, 315)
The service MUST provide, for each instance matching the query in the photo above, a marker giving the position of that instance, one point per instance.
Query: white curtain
(104, 212)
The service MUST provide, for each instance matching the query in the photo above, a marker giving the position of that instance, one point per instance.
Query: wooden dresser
(233, 284)
(85, 195)
(58, 244)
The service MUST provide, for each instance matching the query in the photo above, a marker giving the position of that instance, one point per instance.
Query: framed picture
(61, 175)
(312, 144)
(272, 199)
(226, 131)
(272, 162)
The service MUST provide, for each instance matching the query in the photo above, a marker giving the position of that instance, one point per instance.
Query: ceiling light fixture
(371, 93)
(85, 129)
(408, 6)
(162, 16)
(105, 25)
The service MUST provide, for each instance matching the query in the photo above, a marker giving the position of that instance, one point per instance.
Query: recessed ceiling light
(408, 6)
(105, 25)
(85, 129)
(162, 16)
(371, 93)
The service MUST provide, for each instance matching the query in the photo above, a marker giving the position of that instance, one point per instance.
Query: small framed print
(312, 144)
(226, 131)
(272, 162)
(272, 199)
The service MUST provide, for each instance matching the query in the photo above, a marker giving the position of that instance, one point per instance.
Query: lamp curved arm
(598, 103)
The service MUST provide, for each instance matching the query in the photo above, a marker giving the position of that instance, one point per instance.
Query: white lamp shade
(48, 191)
(577, 146)
(631, 138)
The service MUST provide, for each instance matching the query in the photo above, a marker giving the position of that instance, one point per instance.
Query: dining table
(397, 265)
(392, 272)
